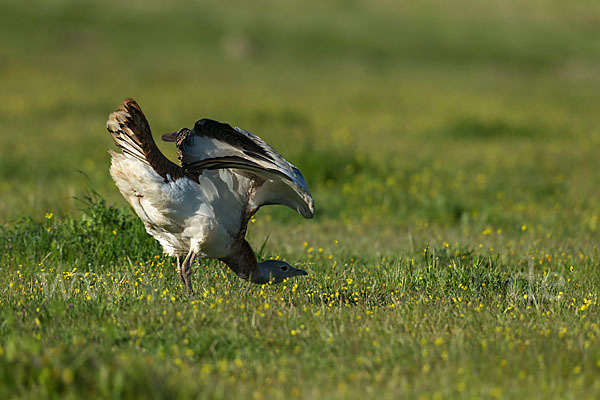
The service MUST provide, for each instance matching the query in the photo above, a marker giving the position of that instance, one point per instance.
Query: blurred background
(410, 120)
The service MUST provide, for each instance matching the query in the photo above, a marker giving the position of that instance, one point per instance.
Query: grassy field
(452, 151)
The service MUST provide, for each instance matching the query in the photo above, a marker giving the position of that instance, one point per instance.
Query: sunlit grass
(452, 151)
(477, 321)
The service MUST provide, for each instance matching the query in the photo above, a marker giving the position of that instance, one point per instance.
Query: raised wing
(215, 145)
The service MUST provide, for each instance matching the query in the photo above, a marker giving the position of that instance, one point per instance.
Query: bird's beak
(172, 136)
(302, 272)
(169, 137)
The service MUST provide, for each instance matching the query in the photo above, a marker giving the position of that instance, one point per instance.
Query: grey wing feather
(214, 145)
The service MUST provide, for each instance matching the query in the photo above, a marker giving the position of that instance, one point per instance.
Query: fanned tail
(130, 130)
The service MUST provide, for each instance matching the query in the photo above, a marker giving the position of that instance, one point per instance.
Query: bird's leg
(187, 271)
(179, 270)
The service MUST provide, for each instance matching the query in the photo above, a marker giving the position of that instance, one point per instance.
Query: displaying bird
(202, 208)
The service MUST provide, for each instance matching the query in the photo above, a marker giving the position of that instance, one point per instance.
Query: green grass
(452, 151)
(91, 308)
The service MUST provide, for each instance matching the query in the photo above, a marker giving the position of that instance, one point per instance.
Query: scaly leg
(187, 271)
(179, 270)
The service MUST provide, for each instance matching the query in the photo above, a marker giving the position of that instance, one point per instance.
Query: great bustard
(202, 208)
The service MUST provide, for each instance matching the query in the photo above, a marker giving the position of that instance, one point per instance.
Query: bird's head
(275, 271)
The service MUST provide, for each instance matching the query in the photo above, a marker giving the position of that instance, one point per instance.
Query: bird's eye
(284, 268)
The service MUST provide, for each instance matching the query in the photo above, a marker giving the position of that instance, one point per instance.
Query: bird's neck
(243, 262)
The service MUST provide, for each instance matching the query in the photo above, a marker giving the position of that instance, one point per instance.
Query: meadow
(452, 152)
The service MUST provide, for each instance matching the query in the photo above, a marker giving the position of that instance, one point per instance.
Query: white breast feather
(184, 214)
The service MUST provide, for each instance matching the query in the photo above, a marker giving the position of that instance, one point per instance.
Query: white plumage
(202, 208)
